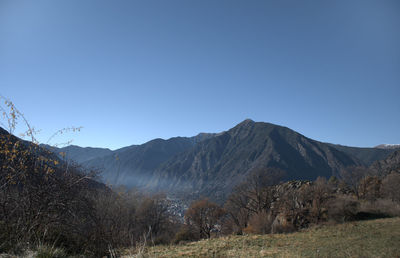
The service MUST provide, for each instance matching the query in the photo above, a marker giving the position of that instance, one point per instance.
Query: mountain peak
(245, 125)
(247, 121)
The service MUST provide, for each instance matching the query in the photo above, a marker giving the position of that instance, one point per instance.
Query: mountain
(79, 154)
(212, 164)
(366, 156)
(134, 165)
(388, 146)
(388, 165)
(215, 165)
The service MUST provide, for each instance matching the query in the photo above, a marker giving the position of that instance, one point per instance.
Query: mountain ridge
(247, 146)
(216, 162)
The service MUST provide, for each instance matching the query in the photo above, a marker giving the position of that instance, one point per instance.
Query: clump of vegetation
(186, 234)
(260, 205)
(203, 216)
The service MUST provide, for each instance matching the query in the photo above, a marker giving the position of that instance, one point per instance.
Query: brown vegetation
(203, 216)
(262, 206)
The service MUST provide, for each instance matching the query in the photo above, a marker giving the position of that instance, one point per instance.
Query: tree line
(262, 204)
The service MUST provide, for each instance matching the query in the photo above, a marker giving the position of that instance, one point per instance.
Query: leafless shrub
(260, 223)
(282, 228)
(391, 187)
(343, 208)
(204, 215)
(381, 208)
(186, 233)
(255, 195)
(352, 177)
(369, 188)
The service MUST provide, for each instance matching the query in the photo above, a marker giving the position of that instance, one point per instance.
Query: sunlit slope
(374, 238)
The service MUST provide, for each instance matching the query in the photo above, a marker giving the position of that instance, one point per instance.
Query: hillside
(29, 154)
(134, 165)
(388, 165)
(79, 154)
(374, 238)
(365, 155)
(212, 164)
(215, 166)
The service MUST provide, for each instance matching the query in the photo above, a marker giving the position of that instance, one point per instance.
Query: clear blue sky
(130, 71)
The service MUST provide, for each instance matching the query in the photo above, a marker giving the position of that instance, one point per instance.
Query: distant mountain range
(212, 164)
(388, 146)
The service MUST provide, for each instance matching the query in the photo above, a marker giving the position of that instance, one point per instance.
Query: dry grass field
(374, 238)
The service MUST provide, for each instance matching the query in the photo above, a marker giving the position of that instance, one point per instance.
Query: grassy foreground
(374, 238)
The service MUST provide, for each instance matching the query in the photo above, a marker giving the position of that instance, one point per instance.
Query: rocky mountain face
(134, 165)
(212, 164)
(216, 165)
(366, 156)
(388, 165)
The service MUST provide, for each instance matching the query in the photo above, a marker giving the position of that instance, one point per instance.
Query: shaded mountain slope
(366, 155)
(388, 165)
(79, 154)
(212, 164)
(134, 165)
(219, 163)
(31, 161)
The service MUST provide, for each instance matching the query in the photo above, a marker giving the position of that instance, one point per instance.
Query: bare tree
(369, 188)
(352, 177)
(320, 191)
(255, 195)
(391, 186)
(204, 215)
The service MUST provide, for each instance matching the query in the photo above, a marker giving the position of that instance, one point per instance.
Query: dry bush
(381, 208)
(128, 218)
(260, 223)
(292, 207)
(391, 187)
(51, 208)
(186, 234)
(343, 208)
(369, 188)
(352, 177)
(115, 218)
(154, 219)
(279, 229)
(237, 219)
(254, 195)
(320, 193)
